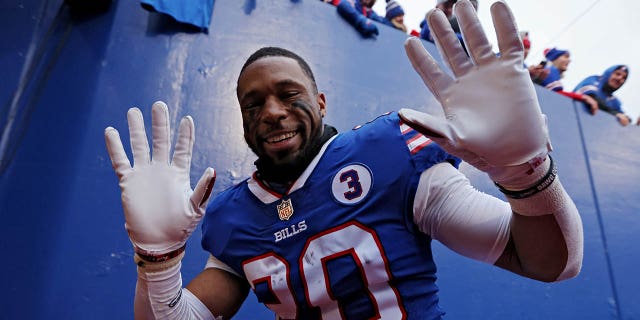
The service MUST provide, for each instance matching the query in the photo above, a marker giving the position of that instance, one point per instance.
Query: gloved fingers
(507, 32)
(202, 192)
(161, 131)
(431, 126)
(118, 156)
(138, 137)
(428, 69)
(448, 44)
(475, 39)
(184, 145)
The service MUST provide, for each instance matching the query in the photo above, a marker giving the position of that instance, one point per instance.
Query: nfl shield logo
(285, 209)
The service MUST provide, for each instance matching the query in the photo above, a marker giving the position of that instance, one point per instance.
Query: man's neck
(285, 175)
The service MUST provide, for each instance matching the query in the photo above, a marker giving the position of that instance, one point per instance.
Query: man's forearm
(547, 235)
(602, 105)
(159, 294)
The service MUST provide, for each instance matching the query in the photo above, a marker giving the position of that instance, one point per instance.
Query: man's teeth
(281, 137)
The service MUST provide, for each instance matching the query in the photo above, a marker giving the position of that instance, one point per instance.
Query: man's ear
(322, 102)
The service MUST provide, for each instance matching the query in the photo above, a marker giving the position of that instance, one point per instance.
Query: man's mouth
(281, 137)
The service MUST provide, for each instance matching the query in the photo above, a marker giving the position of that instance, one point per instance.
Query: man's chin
(280, 169)
(284, 160)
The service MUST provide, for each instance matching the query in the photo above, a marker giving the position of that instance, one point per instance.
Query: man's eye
(250, 106)
(289, 94)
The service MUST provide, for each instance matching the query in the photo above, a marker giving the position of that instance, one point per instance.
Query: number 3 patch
(352, 183)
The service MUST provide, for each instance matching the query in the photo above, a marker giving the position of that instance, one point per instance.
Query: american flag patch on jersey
(415, 140)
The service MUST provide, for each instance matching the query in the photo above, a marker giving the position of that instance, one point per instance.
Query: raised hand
(492, 117)
(161, 210)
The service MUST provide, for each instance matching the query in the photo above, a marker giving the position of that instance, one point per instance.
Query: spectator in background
(447, 8)
(360, 14)
(559, 64)
(395, 15)
(538, 72)
(601, 89)
(453, 20)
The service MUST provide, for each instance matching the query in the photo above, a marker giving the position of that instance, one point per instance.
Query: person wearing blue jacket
(560, 60)
(360, 14)
(447, 8)
(601, 88)
(395, 15)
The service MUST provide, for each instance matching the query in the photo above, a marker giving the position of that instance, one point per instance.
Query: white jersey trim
(587, 88)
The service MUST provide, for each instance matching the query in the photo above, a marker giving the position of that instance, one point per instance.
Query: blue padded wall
(67, 255)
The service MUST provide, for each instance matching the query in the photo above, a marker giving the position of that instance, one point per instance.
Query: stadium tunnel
(69, 72)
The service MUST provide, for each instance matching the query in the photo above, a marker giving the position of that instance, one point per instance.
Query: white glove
(493, 120)
(161, 211)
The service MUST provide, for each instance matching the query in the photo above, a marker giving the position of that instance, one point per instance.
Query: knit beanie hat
(393, 9)
(553, 53)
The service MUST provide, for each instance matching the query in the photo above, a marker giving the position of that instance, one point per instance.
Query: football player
(342, 223)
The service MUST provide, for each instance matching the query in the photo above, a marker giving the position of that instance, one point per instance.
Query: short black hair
(281, 52)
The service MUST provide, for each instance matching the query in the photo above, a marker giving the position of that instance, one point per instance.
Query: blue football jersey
(341, 244)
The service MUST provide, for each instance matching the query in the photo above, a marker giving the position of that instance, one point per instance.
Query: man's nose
(274, 109)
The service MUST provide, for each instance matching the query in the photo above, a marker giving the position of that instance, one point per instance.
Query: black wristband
(542, 184)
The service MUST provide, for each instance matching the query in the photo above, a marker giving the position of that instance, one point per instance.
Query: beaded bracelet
(542, 184)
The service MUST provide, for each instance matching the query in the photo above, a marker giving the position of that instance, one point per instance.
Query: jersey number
(355, 188)
(351, 239)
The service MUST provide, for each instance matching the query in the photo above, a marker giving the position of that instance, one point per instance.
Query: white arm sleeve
(450, 210)
(159, 295)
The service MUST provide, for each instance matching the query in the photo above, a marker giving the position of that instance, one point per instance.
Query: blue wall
(66, 76)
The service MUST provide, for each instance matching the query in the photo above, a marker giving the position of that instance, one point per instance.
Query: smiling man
(601, 88)
(335, 226)
(285, 140)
